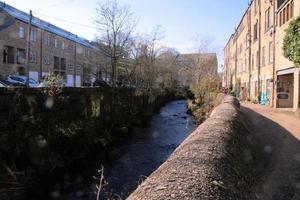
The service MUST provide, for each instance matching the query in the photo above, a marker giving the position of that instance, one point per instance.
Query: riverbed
(148, 148)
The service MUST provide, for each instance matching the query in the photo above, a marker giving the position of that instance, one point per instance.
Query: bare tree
(168, 68)
(149, 52)
(102, 183)
(115, 24)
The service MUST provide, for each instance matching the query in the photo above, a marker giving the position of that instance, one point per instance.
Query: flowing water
(144, 153)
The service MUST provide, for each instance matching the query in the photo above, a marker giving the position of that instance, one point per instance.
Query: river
(143, 153)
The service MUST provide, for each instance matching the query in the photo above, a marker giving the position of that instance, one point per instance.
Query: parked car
(101, 83)
(3, 85)
(16, 80)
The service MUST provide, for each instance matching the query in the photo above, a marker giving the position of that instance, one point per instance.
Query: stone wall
(42, 136)
(217, 161)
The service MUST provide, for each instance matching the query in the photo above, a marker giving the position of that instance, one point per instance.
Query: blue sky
(181, 20)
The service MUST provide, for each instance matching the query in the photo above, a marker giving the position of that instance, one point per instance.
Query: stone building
(52, 49)
(254, 65)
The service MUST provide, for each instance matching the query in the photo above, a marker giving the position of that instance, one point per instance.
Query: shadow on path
(281, 179)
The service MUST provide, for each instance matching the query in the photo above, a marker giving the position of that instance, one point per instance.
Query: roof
(24, 17)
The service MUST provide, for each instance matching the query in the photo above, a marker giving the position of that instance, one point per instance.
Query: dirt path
(280, 135)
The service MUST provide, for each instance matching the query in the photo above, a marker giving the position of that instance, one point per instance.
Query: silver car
(16, 80)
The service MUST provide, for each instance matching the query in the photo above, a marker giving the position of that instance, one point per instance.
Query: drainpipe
(259, 51)
(75, 65)
(235, 70)
(274, 55)
(41, 56)
(250, 56)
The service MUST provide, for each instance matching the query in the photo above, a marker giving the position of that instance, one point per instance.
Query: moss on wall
(43, 135)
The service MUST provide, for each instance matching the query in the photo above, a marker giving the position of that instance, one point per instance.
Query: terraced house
(52, 49)
(254, 65)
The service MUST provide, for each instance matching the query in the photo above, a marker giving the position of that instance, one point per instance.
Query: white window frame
(55, 43)
(33, 57)
(21, 32)
(33, 35)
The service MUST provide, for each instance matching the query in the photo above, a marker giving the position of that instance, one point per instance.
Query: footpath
(279, 133)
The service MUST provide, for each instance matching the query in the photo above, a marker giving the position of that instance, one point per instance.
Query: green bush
(291, 43)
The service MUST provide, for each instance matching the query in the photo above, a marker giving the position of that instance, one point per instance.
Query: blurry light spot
(42, 142)
(268, 149)
(297, 157)
(155, 134)
(49, 102)
(55, 194)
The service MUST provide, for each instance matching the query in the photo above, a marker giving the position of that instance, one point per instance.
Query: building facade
(52, 49)
(254, 65)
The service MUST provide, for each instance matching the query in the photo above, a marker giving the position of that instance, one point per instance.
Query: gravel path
(280, 135)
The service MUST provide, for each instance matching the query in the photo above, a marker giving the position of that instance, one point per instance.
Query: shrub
(53, 84)
(291, 43)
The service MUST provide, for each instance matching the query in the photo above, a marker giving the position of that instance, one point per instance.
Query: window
(286, 13)
(46, 59)
(70, 47)
(21, 32)
(56, 62)
(256, 31)
(47, 40)
(60, 64)
(280, 19)
(70, 65)
(55, 43)
(253, 61)
(63, 45)
(284, 18)
(33, 57)
(263, 56)
(247, 41)
(33, 35)
(63, 64)
(271, 52)
(256, 87)
(9, 55)
(87, 52)
(79, 50)
(267, 20)
(257, 59)
(292, 9)
(280, 2)
(21, 56)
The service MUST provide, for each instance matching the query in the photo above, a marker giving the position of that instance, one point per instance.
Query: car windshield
(15, 78)
(33, 81)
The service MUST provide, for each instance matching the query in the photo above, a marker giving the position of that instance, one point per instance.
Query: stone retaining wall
(43, 137)
(217, 161)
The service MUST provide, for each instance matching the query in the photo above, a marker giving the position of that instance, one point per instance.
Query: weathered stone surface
(209, 164)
